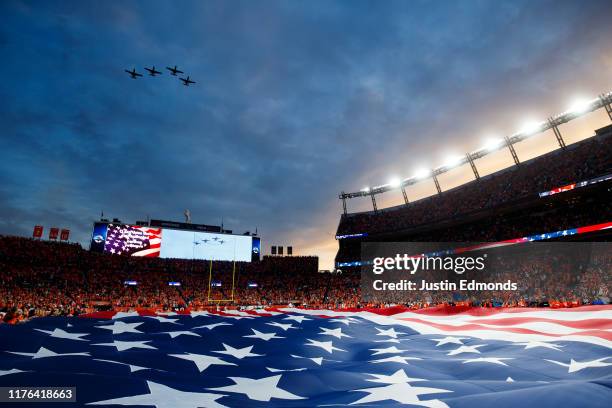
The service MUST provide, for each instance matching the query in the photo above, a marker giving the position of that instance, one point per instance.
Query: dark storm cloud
(295, 101)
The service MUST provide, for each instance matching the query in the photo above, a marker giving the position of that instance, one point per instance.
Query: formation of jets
(206, 241)
(153, 72)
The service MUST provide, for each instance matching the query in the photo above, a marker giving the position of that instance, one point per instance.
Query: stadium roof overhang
(581, 109)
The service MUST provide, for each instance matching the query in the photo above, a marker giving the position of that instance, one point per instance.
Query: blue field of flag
(294, 360)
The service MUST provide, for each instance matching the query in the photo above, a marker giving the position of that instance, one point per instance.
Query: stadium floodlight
(452, 160)
(492, 144)
(365, 189)
(580, 106)
(531, 127)
(422, 173)
(395, 182)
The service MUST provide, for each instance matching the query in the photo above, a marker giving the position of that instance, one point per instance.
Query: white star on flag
(199, 313)
(465, 349)
(325, 345)
(212, 326)
(404, 393)
(389, 332)
(61, 334)
(278, 370)
(492, 360)
(333, 332)
(43, 353)
(120, 315)
(388, 350)
(202, 361)
(574, 365)
(297, 318)
(343, 321)
(126, 345)
(449, 340)
(533, 344)
(263, 389)
(161, 396)
(174, 334)
(11, 371)
(395, 359)
(398, 377)
(238, 353)
(162, 319)
(122, 327)
(263, 336)
(285, 327)
(133, 368)
(316, 360)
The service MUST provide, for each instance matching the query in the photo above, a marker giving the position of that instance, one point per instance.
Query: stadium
(495, 291)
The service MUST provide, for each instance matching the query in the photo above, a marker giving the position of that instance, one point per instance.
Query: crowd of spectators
(578, 162)
(40, 278)
(556, 275)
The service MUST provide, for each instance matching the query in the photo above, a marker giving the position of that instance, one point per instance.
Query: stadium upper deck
(578, 162)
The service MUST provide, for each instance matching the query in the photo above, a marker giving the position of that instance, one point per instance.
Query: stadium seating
(504, 205)
(581, 161)
(48, 278)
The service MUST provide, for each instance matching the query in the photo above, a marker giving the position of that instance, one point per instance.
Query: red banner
(64, 234)
(53, 232)
(38, 231)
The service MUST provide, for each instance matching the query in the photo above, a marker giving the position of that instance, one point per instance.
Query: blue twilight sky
(294, 102)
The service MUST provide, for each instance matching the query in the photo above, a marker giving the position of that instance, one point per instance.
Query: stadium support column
(405, 195)
(436, 182)
(607, 103)
(374, 202)
(473, 166)
(343, 198)
(557, 133)
(512, 151)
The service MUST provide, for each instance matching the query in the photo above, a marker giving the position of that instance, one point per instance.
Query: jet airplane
(174, 71)
(187, 81)
(133, 73)
(153, 71)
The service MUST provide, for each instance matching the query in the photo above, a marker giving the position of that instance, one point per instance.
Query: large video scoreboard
(147, 241)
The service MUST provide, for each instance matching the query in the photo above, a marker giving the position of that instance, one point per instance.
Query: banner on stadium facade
(65, 234)
(53, 233)
(255, 249)
(38, 231)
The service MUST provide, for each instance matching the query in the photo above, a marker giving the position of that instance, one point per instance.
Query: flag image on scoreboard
(133, 240)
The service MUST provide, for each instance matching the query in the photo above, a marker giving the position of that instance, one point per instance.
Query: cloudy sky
(294, 102)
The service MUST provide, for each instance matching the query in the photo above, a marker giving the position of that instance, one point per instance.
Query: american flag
(133, 240)
(306, 358)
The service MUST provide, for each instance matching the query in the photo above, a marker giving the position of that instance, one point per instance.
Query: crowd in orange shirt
(40, 278)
